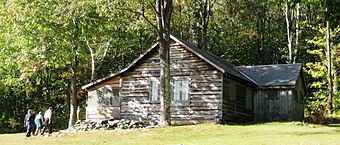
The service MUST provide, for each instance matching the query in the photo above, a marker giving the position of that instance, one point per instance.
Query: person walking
(38, 123)
(78, 113)
(27, 123)
(47, 121)
(31, 120)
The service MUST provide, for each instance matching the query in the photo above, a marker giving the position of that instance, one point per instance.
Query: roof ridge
(280, 64)
(273, 75)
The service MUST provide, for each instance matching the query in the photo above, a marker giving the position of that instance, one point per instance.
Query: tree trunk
(296, 57)
(73, 90)
(73, 77)
(49, 100)
(164, 10)
(329, 64)
(93, 69)
(204, 15)
(289, 35)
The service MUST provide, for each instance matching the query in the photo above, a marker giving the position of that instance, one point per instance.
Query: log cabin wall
(237, 101)
(103, 101)
(205, 87)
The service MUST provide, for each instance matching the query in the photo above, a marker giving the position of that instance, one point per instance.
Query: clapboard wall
(205, 87)
(103, 101)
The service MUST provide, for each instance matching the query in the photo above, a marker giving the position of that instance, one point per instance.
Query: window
(114, 98)
(180, 90)
(272, 95)
(154, 91)
(108, 96)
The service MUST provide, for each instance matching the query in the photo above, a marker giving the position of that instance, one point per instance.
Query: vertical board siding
(280, 104)
(299, 99)
(275, 105)
(205, 92)
(235, 105)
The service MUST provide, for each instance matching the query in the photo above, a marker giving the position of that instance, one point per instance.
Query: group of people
(36, 123)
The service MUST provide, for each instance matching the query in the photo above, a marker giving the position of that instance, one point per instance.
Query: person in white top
(38, 123)
(48, 121)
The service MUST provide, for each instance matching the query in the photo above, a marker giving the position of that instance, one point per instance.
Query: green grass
(203, 134)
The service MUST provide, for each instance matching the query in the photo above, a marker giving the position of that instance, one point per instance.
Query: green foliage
(317, 73)
(37, 37)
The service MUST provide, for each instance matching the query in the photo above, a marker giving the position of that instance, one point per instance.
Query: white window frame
(180, 91)
(154, 91)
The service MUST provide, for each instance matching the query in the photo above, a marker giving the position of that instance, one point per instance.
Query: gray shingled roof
(273, 75)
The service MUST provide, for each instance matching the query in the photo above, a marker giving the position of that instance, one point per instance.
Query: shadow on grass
(333, 125)
(252, 123)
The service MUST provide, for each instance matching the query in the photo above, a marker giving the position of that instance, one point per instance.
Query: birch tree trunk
(329, 64)
(297, 33)
(289, 35)
(93, 70)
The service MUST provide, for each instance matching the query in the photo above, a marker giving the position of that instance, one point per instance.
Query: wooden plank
(205, 96)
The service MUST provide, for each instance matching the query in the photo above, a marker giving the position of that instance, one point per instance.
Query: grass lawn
(203, 134)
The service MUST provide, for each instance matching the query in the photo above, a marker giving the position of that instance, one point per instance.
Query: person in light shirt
(38, 123)
(47, 121)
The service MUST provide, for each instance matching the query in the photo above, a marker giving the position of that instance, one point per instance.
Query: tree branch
(104, 55)
(140, 14)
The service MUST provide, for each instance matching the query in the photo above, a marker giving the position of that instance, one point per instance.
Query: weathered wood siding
(205, 87)
(237, 101)
(273, 105)
(298, 102)
(285, 104)
(103, 101)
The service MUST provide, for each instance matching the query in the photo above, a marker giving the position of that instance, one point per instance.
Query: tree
(297, 33)
(204, 13)
(289, 31)
(163, 16)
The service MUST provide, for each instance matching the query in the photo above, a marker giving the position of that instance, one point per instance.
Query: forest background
(50, 48)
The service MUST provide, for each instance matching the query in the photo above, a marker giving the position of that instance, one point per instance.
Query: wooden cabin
(203, 87)
(280, 92)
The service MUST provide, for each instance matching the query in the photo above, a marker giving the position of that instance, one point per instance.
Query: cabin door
(273, 106)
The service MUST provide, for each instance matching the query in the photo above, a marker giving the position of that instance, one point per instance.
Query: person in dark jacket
(27, 123)
(32, 124)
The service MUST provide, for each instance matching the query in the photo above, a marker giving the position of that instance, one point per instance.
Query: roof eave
(90, 85)
(277, 87)
(196, 53)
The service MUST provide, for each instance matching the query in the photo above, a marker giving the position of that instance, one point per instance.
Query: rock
(104, 121)
(153, 122)
(113, 124)
(150, 127)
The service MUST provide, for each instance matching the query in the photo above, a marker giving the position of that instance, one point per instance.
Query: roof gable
(273, 75)
(212, 59)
